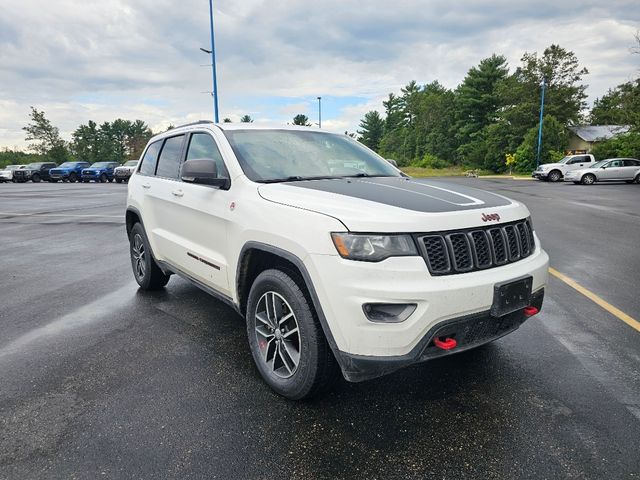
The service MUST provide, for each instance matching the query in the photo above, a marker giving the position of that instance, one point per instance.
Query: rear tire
(588, 179)
(554, 176)
(637, 179)
(285, 337)
(145, 269)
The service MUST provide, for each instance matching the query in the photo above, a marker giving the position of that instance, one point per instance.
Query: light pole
(544, 84)
(319, 112)
(214, 92)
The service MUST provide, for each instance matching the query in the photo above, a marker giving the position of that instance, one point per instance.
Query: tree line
(116, 141)
(494, 112)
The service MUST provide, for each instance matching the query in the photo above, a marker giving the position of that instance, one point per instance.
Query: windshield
(12, 167)
(34, 165)
(565, 159)
(285, 155)
(599, 164)
(67, 165)
(131, 163)
(100, 164)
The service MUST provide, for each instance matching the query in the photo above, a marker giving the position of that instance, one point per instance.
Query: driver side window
(202, 145)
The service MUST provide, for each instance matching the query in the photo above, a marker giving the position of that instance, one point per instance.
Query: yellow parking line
(633, 323)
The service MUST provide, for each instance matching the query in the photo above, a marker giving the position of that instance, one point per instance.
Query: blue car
(67, 172)
(100, 172)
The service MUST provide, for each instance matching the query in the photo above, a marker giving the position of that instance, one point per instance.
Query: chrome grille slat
(461, 251)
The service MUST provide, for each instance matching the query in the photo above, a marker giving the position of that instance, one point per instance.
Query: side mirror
(204, 171)
(392, 162)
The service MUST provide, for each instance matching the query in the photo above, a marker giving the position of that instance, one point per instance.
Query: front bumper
(123, 175)
(343, 286)
(469, 331)
(540, 174)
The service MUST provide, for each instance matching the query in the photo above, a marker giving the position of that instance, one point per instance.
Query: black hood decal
(428, 196)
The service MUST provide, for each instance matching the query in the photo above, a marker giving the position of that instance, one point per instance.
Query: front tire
(554, 176)
(73, 178)
(588, 179)
(145, 269)
(118, 180)
(103, 178)
(35, 178)
(286, 340)
(637, 179)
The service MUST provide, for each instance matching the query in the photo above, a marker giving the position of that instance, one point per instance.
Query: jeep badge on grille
(490, 217)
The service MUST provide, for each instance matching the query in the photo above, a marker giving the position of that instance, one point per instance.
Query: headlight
(373, 248)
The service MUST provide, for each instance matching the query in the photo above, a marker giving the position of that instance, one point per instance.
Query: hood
(550, 165)
(395, 204)
(125, 168)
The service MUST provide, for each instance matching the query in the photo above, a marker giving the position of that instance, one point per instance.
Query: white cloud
(140, 59)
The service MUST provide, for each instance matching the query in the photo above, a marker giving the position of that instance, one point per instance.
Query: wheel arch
(256, 257)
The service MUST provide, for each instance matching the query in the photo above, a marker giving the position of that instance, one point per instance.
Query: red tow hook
(446, 344)
(530, 311)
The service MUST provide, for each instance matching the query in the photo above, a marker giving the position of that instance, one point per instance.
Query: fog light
(388, 312)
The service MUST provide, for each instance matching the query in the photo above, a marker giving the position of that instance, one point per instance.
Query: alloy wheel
(277, 334)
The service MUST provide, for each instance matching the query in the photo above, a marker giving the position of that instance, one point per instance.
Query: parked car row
(583, 169)
(69, 172)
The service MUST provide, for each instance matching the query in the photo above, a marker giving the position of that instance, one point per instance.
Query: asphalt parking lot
(100, 380)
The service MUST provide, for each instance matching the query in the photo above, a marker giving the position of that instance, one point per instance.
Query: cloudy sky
(104, 59)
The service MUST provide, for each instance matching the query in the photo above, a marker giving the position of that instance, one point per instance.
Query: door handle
(177, 193)
(146, 185)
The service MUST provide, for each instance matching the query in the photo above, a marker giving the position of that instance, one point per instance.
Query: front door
(192, 226)
(614, 170)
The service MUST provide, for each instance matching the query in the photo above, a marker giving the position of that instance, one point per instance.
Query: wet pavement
(98, 379)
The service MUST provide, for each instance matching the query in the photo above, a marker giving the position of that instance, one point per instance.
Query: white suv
(336, 260)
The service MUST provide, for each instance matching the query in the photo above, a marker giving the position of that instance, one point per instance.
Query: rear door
(631, 168)
(158, 186)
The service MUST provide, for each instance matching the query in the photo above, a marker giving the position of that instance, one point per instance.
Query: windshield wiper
(296, 178)
(364, 174)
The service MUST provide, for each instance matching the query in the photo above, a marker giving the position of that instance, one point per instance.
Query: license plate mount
(511, 296)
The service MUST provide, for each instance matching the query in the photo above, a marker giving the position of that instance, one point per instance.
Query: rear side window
(631, 163)
(169, 161)
(202, 145)
(150, 159)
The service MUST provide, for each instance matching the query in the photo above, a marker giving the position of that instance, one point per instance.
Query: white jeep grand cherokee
(336, 260)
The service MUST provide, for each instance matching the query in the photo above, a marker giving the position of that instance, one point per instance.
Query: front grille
(461, 251)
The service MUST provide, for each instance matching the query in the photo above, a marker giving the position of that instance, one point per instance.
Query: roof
(594, 133)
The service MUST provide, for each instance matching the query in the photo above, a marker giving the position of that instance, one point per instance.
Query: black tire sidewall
(138, 230)
(302, 381)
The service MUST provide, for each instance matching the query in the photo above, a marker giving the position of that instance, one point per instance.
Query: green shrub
(431, 161)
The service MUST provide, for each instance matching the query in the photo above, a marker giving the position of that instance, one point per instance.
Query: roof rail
(199, 122)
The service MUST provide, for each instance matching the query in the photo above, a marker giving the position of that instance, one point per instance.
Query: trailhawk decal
(408, 194)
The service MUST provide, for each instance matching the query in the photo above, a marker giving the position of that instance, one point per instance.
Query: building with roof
(583, 138)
